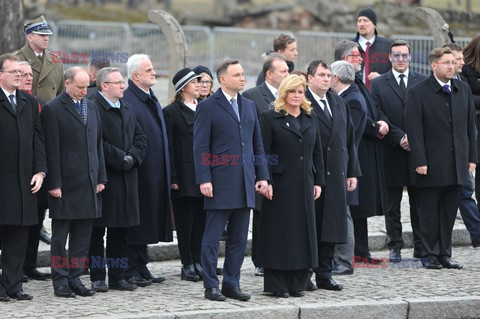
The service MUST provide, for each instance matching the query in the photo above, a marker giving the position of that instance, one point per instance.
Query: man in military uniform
(47, 72)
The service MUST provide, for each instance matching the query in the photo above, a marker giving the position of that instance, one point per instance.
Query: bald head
(76, 82)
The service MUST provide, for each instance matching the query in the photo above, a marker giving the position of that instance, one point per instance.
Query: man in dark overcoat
(153, 175)
(76, 165)
(226, 143)
(124, 148)
(389, 92)
(275, 69)
(341, 168)
(23, 168)
(442, 137)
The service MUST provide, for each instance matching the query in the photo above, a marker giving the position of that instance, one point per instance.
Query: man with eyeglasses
(389, 91)
(23, 168)
(124, 148)
(440, 123)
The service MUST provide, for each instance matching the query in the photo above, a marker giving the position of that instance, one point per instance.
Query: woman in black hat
(206, 81)
(186, 197)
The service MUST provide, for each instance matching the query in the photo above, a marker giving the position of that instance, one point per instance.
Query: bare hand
(269, 193)
(404, 143)
(317, 191)
(100, 188)
(37, 181)
(174, 187)
(261, 186)
(55, 193)
(206, 189)
(373, 75)
(351, 184)
(471, 167)
(422, 170)
(383, 128)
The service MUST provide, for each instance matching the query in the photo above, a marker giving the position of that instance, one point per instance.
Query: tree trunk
(11, 26)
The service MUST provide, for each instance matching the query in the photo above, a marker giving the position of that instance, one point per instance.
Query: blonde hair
(288, 84)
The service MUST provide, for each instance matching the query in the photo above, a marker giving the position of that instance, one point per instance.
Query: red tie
(367, 65)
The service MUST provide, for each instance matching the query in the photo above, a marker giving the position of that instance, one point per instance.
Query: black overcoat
(287, 231)
(122, 135)
(23, 155)
(75, 158)
(154, 173)
(179, 120)
(340, 160)
(391, 102)
(441, 132)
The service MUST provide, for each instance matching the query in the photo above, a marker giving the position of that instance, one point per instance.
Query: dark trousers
(235, 245)
(190, 225)
(115, 251)
(360, 230)
(438, 209)
(255, 223)
(469, 210)
(137, 260)
(393, 218)
(13, 244)
(326, 250)
(33, 241)
(67, 268)
(275, 280)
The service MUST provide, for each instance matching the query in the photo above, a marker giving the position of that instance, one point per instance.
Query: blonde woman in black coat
(287, 244)
(186, 197)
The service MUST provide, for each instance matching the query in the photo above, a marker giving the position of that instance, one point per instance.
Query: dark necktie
(366, 70)
(82, 111)
(12, 102)
(325, 110)
(446, 89)
(233, 101)
(403, 87)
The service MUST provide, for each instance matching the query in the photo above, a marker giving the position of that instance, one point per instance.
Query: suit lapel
(394, 85)
(286, 123)
(67, 101)
(318, 110)
(21, 101)
(187, 114)
(6, 103)
(306, 122)
(267, 94)
(335, 115)
(222, 100)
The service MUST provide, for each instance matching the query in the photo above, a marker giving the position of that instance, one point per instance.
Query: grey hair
(134, 63)
(24, 63)
(103, 74)
(71, 72)
(344, 48)
(344, 70)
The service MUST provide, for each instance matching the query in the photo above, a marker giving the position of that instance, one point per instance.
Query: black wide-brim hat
(183, 77)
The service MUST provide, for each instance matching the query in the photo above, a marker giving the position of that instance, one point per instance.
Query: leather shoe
(448, 263)
(341, 270)
(37, 275)
(99, 286)
(476, 243)
(395, 256)
(235, 293)
(20, 295)
(121, 285)
(45, 236)
(148, 275)
(214, 294)
(311, 286)
(259, 271)
(431, 262)
(297, 293)
(329, 284)
(281, 294)
(81, 290)
(198, 270)
(188, 273)
(65, 292)
(4, 298)
(139, 281)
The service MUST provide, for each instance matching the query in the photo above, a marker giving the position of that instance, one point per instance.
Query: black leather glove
(127, 162)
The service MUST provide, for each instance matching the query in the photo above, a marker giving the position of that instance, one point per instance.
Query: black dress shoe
(121, 285)
(448, 263)
(4, 298)
(45, 236)
(259, 271)
(139, 281)
(198, 270)
(329, 284)
(20, 295)
(65, 292)
(476, 243)
(297, 293)
(235, 293)
(280, 295)
(219, 271)
(99, 286)
(148, 275)
(431, 262)
(37, 275)
(395, 256)
(81, 290)
(311, 286)
(214, 294)
(341, 270)
(188, 273)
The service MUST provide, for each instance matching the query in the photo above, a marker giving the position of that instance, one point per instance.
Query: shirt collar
(272, 89)
(449, 83)
(363, 42)
(9, 93)
(316, 97)
(229, 98)
(396, 74)
(344, 89)
(114, 105)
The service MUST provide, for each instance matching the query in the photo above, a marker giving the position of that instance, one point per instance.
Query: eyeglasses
(205, 82)
(13, 71)
(116, 83)
(453, 63)
(26, 75)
